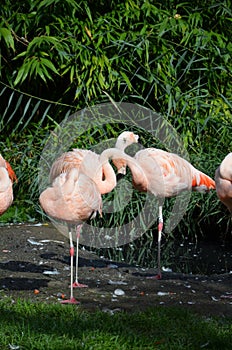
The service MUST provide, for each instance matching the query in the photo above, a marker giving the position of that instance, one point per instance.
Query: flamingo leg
(76, 284)
(72, 300)
(160, 228)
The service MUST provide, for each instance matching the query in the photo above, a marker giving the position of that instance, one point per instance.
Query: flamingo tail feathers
(11, 173)
(202, 183)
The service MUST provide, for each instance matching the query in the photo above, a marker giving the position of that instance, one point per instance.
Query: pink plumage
(7, 177)
(164, 175)
(79, 178)
(223, 179)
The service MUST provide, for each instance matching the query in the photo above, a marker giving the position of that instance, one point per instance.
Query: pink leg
(160, 228)
(76, 284)
(72, 300)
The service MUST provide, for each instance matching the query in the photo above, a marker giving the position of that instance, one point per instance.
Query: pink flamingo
(74, 158)
(164, 175)
(223, 180)
(97, 169)
(7, 178)
(73, 198)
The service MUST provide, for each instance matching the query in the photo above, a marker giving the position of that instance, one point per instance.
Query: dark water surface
(182, 256)
(203, 257)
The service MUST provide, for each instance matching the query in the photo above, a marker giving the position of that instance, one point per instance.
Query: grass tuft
(42, 326)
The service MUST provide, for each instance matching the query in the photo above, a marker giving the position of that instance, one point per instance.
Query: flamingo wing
(67, 161)
(72, 198)
(165, 176)
(169, 174)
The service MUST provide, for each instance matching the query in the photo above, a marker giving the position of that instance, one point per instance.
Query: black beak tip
(119, 177)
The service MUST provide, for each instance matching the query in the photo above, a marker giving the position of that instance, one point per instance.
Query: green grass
(45, 326)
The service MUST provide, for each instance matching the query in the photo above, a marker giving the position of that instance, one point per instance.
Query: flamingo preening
(164, 175)
(102, 179)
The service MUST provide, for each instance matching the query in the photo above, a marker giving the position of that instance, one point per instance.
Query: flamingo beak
(136, 138)
(122, 170)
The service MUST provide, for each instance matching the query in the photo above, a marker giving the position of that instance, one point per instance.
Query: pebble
(119, 292)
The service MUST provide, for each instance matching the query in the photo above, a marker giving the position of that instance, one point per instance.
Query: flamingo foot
(155, 277)
(79, 285)
(70, 301)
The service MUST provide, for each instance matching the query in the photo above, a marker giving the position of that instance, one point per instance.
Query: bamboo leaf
(3, 90)
(21, 120)
(22, 54)
(41, 72)
(8, 105)
(49, 64)
(20, 75)
(42, 40)
(8, 37)
(72, 71)
(18, 104)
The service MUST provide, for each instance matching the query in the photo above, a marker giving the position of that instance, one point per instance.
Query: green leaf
(40, 41)
(20, 75)
(72, 73)
(49, 64)
(22, 54)
(127, 80)
(42, 71)
(8, 37)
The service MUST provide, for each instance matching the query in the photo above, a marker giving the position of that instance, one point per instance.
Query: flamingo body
(74, 198)
(223, 179)
(7, 177)
(79, 177)
(167, 174)
(164, 175)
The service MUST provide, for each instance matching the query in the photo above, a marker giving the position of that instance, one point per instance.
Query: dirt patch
(36, 259)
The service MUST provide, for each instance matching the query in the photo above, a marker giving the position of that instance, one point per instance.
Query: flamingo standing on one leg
(74, 198)
(97, 168)
(223, 180)
(164, 175)
(7, 178)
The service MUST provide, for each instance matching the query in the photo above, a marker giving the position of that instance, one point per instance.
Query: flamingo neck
(120, 144)
(106, 179)
(139, 177)
(226, 167)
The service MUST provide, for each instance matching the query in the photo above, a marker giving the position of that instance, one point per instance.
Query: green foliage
(37, 65)
(5, 34)
(133, 49)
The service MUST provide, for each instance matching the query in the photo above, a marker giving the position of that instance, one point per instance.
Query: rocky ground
(34, 264)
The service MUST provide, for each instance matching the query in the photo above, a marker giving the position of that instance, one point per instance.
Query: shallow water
(201, 257)
(198, 258)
